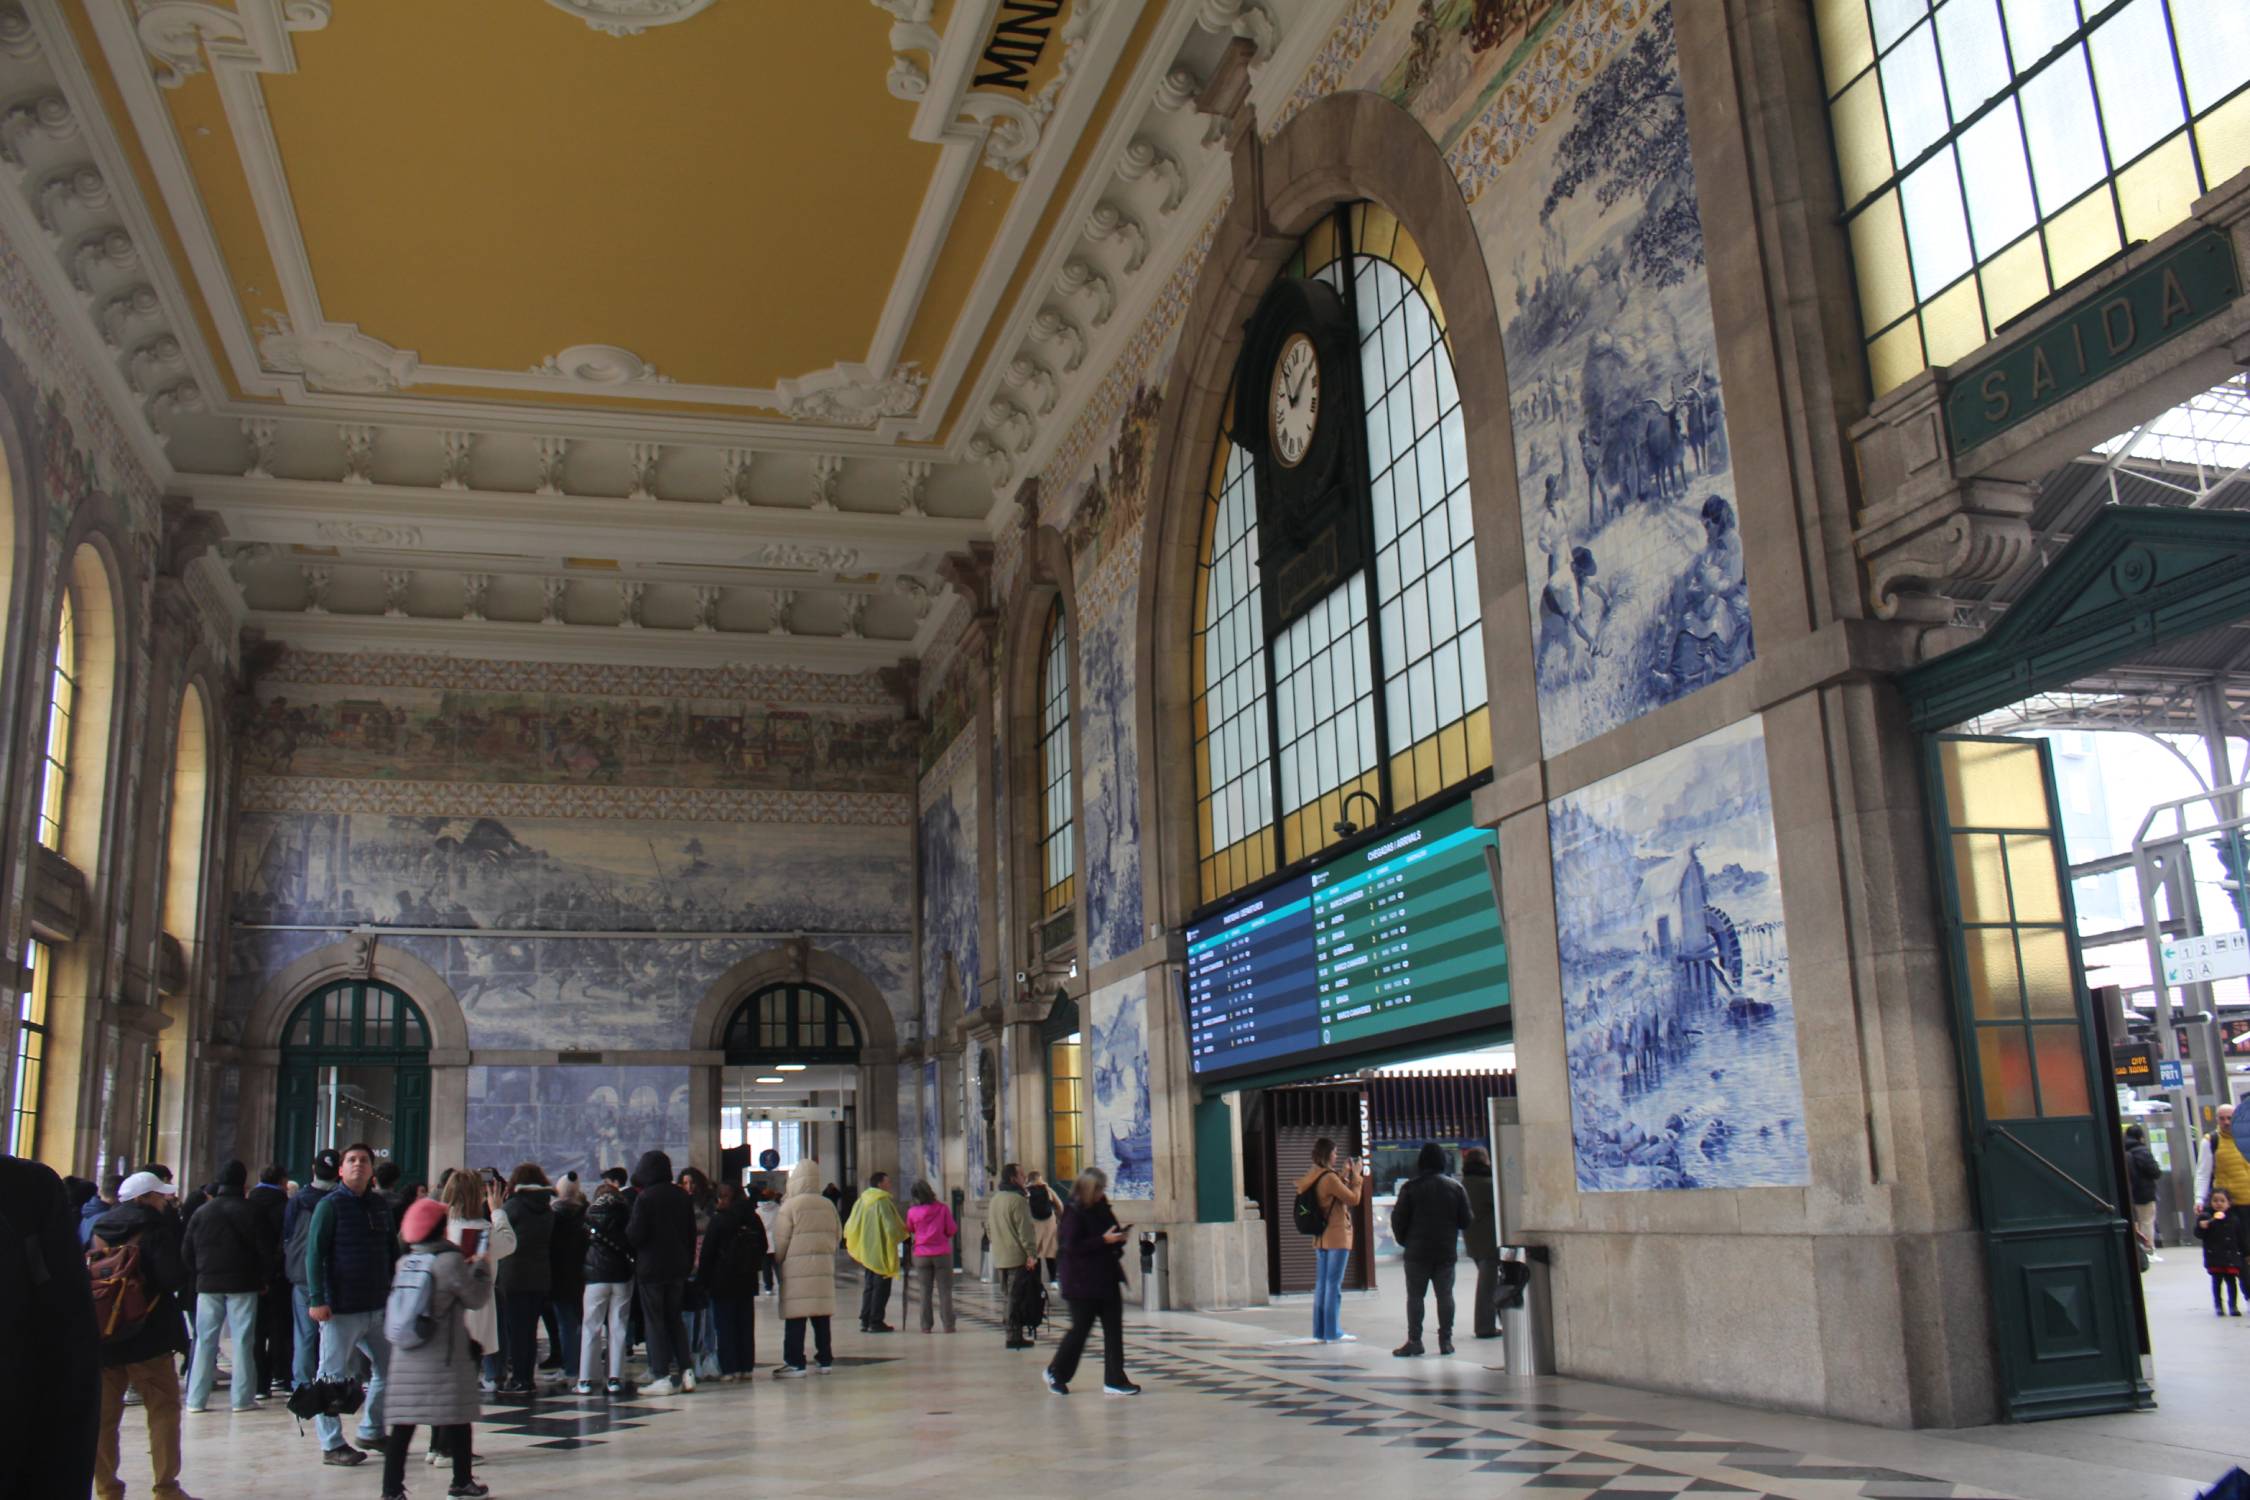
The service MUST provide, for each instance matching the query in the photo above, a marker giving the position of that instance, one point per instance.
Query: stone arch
(799, 962)
(362, 955)
(1344, 148)
(359, 955)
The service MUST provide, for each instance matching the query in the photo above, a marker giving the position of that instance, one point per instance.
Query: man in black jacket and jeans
(1431, 1215)
(277, 1323)
(662, 1234)
(230, 1257)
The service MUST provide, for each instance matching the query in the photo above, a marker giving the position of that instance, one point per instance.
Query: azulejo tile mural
(1117, 1065)
(952, 929)
(1632, 537)
(1679, 1027)
(576, 1119)
(1109, 784)
(347, 730)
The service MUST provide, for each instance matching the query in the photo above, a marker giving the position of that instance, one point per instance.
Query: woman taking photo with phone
(1337, 1189)
(1092, 1243)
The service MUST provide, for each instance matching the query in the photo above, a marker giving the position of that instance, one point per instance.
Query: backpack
(299, 1232)
(1311, 1218)
(744, 1256)
(123, 1298)
(410, 1318)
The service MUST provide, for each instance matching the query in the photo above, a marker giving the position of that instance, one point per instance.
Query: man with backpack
(229, 1257)
(296, 1228)
(134, 1263)
(347, 1283)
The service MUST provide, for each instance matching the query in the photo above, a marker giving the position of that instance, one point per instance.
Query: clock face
(1295, 413)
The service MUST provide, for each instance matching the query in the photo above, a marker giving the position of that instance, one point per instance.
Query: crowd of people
(364, 1299)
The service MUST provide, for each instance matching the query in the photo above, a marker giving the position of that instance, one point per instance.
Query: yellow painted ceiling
(488, 183)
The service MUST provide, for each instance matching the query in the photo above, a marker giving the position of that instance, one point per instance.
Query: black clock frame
(1312, 516)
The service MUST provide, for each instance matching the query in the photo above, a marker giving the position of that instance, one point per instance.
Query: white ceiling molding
(321, 360)
(335, 357)
(1138, 217)
(630, 17)
(600, 364)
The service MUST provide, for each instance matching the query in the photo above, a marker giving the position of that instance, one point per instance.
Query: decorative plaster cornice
(630, 17)
(253, 37)
(336, 357)
(599, 364)
(852, 395)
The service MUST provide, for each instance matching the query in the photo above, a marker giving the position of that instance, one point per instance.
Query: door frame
(300, 1065)
(2133, 579)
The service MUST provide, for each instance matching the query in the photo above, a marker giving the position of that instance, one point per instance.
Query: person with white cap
(138, 1244)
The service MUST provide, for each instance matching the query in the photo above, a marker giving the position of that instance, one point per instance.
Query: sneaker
(791, 1372)
(825, 1367)
(583, 1388)
(472, 1488)
(1053, 1384)
(1444, 1345)
(343, 1456)
(687, 1380)
(1407, 1350)
(617, 1388)
(1124, 1388)
(661, 1388)
(195, 1410)
(879, 1328)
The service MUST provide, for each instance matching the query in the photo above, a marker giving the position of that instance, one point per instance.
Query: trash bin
(1156, 1270)
(1527, 1332)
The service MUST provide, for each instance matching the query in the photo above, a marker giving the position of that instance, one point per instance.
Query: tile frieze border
(471, 799)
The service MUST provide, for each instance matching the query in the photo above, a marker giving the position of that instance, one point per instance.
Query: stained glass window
(1058, 849)
(1373, 701)
(1993, 151)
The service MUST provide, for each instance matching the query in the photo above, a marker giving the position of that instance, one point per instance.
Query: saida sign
(2103, 333)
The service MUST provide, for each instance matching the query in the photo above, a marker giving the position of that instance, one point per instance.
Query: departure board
(1386, 945)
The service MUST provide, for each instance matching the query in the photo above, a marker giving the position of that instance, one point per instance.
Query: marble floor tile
(1228, 1411)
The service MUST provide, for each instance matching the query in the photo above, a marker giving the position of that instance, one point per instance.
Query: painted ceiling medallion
(852, 395)
(600, 364)
(630, 17)
(335, 357)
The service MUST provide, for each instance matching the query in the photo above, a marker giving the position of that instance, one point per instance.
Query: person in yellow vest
(2221, 1164)
(872, 1235)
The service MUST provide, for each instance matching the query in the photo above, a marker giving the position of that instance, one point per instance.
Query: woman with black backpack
(433, 1382)
(733, 1258)
(609, 1288)
(1327, 1197)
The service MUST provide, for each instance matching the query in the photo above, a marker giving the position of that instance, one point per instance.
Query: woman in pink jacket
(934, 1231)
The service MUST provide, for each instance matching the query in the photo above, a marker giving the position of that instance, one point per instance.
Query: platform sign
(2133, 1064)
(2169, 1076)
(2215, 955)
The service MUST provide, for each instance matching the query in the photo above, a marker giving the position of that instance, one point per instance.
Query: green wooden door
(355, 1026)
(2056, 1237)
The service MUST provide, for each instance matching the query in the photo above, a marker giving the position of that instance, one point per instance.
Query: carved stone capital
(1974, 533)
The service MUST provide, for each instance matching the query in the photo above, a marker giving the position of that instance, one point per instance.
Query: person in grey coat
(435, 1382)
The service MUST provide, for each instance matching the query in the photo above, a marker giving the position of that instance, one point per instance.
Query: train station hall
(845, 748)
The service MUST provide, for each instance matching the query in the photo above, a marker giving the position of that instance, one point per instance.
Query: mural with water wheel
(1681, 1036)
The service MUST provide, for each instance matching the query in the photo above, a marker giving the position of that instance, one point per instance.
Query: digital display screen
(1382, 946)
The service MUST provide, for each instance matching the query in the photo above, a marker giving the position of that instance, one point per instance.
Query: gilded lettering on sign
(1018, 41)
(2160, 300)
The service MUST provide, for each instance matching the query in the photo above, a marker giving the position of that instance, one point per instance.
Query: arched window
(62, 703)
(794, 1023)
(31, 1050)
(1058, 846)
(183, 842)
(1373, 701)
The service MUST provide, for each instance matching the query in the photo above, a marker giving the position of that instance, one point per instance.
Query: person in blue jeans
(230, 1253)
(347, 1282)
(296, 1229)
(1341, 1190)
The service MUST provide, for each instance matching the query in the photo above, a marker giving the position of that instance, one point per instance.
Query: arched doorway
(790, 1085)
(355, 1066)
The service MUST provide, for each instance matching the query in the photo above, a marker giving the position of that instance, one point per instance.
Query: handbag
(326, 1398)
